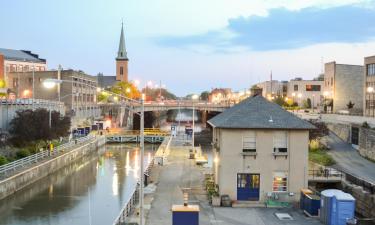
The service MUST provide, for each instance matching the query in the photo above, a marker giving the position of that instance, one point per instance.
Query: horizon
(224, 45)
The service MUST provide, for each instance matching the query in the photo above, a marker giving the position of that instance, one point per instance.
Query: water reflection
(63, 197)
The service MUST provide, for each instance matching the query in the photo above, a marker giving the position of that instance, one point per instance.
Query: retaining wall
(367, 143)
(29, 176)
(341, 130)
(365, 201)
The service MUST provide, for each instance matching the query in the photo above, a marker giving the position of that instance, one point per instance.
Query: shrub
(23, 153)
(314, 145)
(365, 125)
(3, 160)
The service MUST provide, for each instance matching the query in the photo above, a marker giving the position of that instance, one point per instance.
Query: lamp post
(194, 97)
(51, 82)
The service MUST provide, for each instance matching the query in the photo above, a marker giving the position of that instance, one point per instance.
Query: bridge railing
(326, 174)
(10, 168)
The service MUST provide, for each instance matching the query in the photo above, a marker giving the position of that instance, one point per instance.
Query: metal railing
(10, 168)
(132, 201)
(326, 174)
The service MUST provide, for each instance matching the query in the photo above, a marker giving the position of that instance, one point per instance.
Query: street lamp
(50, 82)
(194, 97)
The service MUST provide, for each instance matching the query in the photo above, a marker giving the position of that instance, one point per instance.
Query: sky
(194, 45)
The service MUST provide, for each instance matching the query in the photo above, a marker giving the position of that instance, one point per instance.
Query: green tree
(29, 126)
(279, 100)
(204, 95)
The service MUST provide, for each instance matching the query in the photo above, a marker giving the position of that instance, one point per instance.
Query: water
(97, 185)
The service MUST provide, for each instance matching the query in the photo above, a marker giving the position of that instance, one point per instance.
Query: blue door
(248, 186)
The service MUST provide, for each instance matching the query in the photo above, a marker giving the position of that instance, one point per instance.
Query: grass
(321, 157)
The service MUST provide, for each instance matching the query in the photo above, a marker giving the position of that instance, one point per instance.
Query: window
(121, 70)
(371, 69)
(280, 182)
(295, 87)
(15, 82)
(280, 142)
(331, 81)
(249, 142)
(30, 81)
(311, 87)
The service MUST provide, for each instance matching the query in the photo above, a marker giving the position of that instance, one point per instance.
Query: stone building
(343, 83)
(369, 87)
(260, 152)
(273, 88)
(300, 90)
(19, 61)
(78, 90)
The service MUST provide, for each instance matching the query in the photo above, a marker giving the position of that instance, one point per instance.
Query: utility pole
(142, 162)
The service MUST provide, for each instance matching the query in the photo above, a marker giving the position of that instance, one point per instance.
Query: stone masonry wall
(365, 201)
(367, 143)
(341, 130)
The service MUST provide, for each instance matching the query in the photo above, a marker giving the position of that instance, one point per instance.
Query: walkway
(180, 172)
(348, 159)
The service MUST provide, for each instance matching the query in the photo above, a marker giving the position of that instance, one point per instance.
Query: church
(121, 66)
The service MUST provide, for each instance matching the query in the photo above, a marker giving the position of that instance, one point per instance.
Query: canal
(90, 191)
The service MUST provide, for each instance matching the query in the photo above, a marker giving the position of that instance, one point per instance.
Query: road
(348, 159)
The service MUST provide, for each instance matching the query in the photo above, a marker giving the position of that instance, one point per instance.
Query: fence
(325, 174)
(8, 168)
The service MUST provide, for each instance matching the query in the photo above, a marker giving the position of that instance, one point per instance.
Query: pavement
(348, 159)
(181, 172)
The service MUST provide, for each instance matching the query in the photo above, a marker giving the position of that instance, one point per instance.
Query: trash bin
(351, 221)
(225, 201)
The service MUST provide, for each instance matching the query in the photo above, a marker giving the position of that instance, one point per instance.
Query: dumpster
(185, 215)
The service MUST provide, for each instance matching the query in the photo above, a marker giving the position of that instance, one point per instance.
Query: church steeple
(122, 54)
(122, 59)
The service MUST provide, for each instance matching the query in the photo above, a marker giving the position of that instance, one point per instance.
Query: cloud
(286, 29)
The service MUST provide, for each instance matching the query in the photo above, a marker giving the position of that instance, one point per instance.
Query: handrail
(32, 159)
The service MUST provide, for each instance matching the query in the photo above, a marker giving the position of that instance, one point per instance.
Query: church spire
(122, 54)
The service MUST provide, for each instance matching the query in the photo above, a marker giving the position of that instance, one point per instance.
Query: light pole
(194, 97)
(51, 82)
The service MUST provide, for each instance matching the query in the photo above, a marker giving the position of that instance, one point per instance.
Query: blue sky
(194, 45)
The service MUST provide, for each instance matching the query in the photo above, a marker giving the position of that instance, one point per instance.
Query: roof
(20, 55)
(122, 54)
(258, 113)
(106, 81)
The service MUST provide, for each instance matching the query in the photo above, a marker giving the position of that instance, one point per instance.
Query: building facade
(78, 91)
(260, 152)
(273, 88)
(19, 61)
(343, 84)
(300, 90)
(369, 86)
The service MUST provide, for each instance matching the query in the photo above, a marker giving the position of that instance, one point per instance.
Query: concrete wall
(29, 176)
(231, 161)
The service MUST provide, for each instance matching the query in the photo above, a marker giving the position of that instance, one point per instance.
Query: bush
(23, 153)
(3, 160)
(314, 145)
(321, 157)
(365, 125)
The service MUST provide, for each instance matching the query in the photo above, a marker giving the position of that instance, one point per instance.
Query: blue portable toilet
(345, 206)
(326, 203)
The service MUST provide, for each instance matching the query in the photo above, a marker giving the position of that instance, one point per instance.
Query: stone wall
(367, 143)
(365, 201)
(341, 130)
(29, 176)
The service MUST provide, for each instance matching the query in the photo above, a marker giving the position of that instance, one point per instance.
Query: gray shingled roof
(19, 55)
(256, 113)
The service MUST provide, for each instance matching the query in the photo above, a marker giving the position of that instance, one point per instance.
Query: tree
(320, 131)
(350, 105)
(31, 126)
(279, 100)
(204, 95)
(126, 89)
(154, 94)
(308, 103)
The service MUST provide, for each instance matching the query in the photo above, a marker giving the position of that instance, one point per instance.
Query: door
(355, 135)
(248, 186)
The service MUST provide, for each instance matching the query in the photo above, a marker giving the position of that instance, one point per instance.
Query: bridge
(151, 135)
(173, 104)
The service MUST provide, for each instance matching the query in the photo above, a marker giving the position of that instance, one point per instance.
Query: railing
(30, 101)
(6, 169)
(328, 174)
(130, 204)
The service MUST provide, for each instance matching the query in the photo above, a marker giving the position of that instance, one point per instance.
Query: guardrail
(11, 167)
